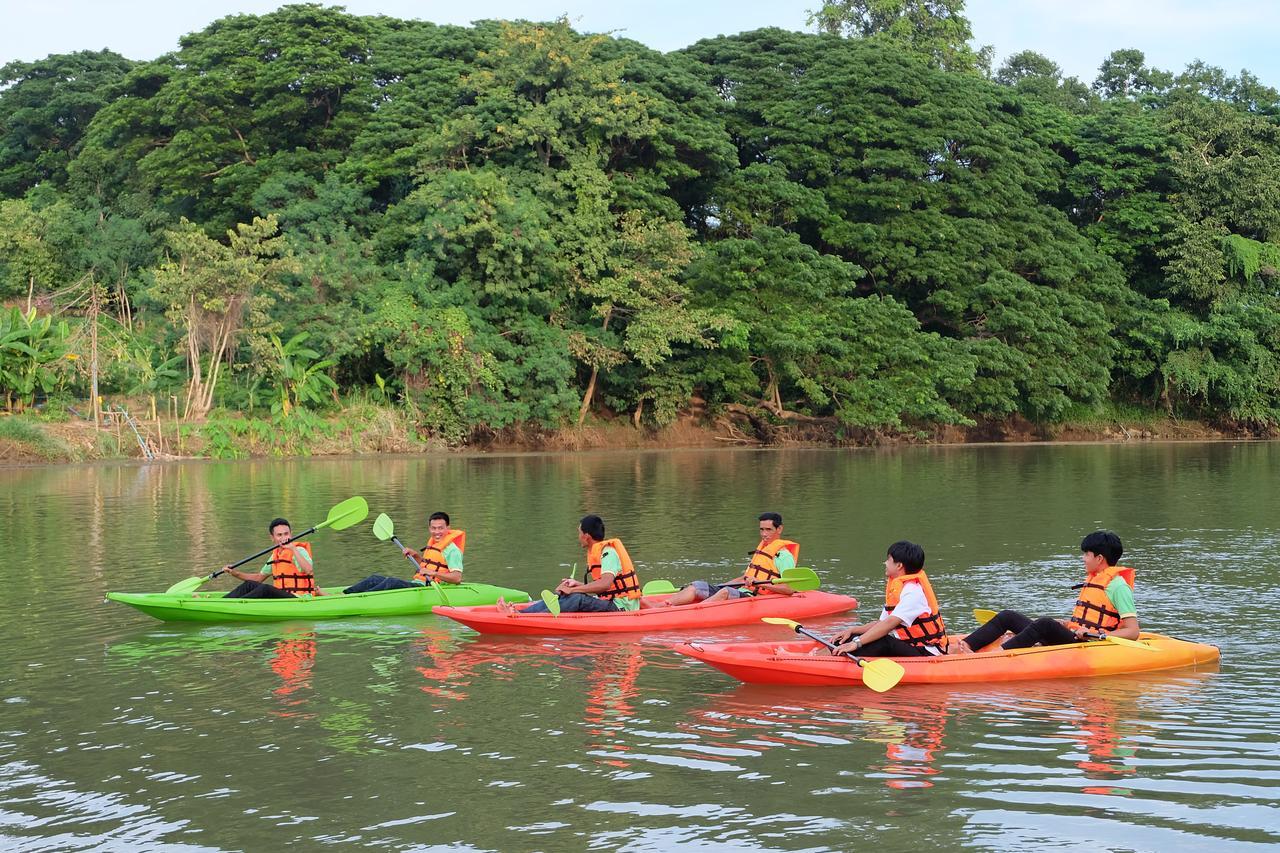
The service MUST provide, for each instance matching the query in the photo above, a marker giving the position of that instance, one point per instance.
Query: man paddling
(773, 556)
(1105, 606)
(910, 625)
(612, 583)
(440, 560)
(288, 573)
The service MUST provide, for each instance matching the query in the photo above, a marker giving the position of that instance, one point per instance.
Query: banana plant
(32, 352)
(300, 374)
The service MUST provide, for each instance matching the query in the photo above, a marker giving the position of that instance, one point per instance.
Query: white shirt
(911, 606)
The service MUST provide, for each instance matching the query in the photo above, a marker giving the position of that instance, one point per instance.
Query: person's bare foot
(504, 608)
(958, 647)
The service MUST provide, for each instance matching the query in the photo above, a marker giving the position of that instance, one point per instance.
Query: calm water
(118, 732)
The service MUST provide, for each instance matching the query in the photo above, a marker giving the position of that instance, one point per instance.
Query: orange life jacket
(762, 567)
(625, 583)
(1093, 609)
(433, 554)
(927, 630)
(286, 575)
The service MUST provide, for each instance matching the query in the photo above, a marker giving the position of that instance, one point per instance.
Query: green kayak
(213, 607)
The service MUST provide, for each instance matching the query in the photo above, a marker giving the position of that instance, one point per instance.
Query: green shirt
(452, 559)
(610, 562)
(784, 561)
(1121, 596)
(301, 559)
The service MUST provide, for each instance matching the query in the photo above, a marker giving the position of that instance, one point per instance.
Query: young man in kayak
(287, 574)
(910, 625)
(612, 580)
(440, 560)
(773, 556)
(1105, 606)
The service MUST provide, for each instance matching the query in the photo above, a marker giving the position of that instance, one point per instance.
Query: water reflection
(119, 732)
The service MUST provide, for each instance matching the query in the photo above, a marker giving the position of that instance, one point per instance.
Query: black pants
(890, 646)
(377, 583)
(1026, 632)
(253, 589)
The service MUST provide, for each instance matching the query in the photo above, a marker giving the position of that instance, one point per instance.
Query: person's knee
(698, 590)
(1045, 623)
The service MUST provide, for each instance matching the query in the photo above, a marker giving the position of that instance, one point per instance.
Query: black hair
(1104, 543)
(593, 526)
(771, 516)
(444, 516)
(909, 554)
(276, 522)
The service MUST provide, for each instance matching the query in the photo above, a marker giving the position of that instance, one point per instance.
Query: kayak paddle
(658, 588)
(799, 579)
(384, 528)
(341, 516)
(880, 674)
(985, 616)
(552, 601)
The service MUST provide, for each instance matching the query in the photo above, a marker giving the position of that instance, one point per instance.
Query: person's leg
(394, 583)
(243, 589)
(890, 647)
(583, 603)
(367, 585)
(1005, 620)
(1045, 631)
(690, 594)
(264, 590)
(726, 593)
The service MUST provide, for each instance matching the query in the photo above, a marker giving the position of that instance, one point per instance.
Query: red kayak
(707, 614)
(805, 662)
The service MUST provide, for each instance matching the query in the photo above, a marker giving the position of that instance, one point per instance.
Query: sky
(1076, 34)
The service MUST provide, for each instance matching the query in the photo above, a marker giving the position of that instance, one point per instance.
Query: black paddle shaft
(265, 552)
(408, 557)
(800, 629)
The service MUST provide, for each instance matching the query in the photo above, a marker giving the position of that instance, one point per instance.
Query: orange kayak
(707, 614)
(791, 662)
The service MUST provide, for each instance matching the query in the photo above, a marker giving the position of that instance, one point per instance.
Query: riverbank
(366, 429)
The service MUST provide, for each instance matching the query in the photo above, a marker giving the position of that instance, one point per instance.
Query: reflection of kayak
(791, 663)
(213, 607)
(707, 614)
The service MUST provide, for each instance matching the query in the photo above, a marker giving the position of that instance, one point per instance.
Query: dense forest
(866, 228)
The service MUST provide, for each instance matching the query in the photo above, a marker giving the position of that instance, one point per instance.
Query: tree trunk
(595, 371)
(586, 398)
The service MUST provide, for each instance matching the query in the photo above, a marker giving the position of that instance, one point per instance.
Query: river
(119, 732)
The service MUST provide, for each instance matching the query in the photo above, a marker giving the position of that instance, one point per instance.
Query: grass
(22, 440)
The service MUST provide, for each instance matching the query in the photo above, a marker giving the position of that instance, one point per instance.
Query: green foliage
(45, 108)
(803, 340)
(27, 259)
(299, 374)
(935, 29)
(32, 439)
(505, 224)
(33, 356)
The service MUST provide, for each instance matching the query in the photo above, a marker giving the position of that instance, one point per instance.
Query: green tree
(45, 108)
(936, 29)
(804, 344)
(208, 289)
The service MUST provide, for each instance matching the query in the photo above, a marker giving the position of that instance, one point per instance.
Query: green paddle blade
(187, 585)
(801, 579)
(552, 601)
(982, 617)
(383, 527)
(658, 588)
(349, 512)
(881, 674)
